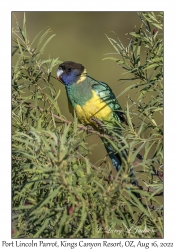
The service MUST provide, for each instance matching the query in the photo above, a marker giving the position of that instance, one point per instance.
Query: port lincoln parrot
(94, 103)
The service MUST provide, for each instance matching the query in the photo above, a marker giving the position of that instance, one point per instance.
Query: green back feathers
(106, 94)
(79, 93)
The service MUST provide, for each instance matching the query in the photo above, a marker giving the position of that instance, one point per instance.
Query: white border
(5, 94)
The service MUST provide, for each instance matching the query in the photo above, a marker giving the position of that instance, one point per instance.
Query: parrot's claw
(89, 129)
(99, 123)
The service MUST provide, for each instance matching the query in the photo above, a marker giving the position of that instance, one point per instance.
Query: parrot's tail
(116, 160)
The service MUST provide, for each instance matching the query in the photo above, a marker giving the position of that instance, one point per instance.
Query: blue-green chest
(78, 93)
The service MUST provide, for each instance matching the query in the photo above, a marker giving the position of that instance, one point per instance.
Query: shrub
(57, 192)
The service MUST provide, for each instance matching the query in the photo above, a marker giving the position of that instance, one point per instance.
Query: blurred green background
(80, 37)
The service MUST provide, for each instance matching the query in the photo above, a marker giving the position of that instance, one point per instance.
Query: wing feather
(106, 94)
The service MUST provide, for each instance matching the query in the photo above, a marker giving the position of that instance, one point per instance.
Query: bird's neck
(82, 77)
(79, 93)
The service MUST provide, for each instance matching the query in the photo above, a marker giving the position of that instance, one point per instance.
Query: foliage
(57, 192)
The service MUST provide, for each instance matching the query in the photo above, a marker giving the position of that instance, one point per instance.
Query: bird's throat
(78, 93)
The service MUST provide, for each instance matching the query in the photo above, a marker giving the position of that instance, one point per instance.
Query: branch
(80, 126)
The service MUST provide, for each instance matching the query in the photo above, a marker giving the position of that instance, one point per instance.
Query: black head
(68, 72)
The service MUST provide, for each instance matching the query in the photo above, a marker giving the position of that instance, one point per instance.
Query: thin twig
(80, 126)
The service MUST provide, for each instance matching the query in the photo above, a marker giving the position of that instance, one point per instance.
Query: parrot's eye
(69, 69)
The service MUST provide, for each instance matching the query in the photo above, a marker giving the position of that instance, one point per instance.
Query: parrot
(94, 103)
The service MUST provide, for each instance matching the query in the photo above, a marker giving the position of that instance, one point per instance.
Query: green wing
(106, 94)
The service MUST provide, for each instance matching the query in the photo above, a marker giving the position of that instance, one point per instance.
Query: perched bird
(94, 103)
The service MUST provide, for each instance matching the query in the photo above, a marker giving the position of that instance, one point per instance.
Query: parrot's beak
(59, 73)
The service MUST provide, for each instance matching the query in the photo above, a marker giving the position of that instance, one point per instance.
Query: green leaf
(47, 41)
(42, 228)
(134, 34)
(153, 65)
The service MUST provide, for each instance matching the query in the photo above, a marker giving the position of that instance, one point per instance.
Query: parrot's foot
(99, 123)
(89, 129)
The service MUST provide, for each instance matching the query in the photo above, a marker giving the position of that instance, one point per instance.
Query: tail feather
(116, 161)
(115, 158)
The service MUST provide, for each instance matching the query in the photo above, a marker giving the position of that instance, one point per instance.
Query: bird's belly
(96, 108)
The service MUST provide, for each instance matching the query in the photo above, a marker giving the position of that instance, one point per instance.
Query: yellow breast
(95, 107)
